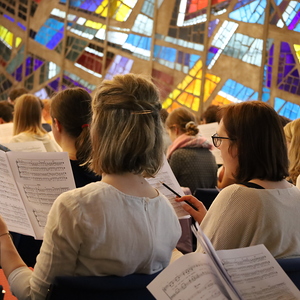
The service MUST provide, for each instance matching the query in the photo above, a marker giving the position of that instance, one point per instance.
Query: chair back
(206, 195)
(101, 287)
(291, 266)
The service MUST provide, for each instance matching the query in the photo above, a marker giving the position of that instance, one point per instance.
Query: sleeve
(59, 251)
(231, 221)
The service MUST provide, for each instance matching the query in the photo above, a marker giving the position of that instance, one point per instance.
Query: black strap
(252, 185)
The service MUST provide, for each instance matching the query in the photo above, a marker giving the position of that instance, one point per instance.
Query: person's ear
(57, 124)
(2, 121)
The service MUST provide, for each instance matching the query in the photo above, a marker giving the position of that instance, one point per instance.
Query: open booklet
(166, 176)
(29, 184)
(243, 274)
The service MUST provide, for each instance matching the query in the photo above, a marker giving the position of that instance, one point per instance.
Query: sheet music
(34, 146)
(12, 208)
(257, 275)
(208, 130)
(41, 177)
(6, 132)
(253, 270)
(191, 277)
(166, 176)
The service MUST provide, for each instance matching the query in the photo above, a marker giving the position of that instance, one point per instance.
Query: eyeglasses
(217, 140)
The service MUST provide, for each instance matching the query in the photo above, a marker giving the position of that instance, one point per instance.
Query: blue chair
(129, 287)
(206, 195)
(291, 266)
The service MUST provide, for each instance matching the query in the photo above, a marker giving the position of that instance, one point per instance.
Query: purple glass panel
(187, 59)
(37, 64)
(18, 73)
(285, 47)
(54, 84)
(213, 50)
(28, 66)
(179, 57)
(294, 21)
(90, 5)
(287, 69)
(211, 27)
(290, 58)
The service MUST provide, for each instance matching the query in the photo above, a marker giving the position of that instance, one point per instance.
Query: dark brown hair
(17, 92)
(72, 108)
(6, 111)
(255, 128)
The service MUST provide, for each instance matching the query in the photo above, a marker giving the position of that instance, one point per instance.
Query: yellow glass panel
(189, 101)
(9, 38)
(122, 13)
(219, 100)
(190, 88)
(196, 104)
(18, 41)
(176, 93)
(3, 32)
(167, 103)
(101, 8)
(197, 87)
(196, 68)
(297, 49)
(213, 78)
(174, 106)
(94, 25)
(182, 98)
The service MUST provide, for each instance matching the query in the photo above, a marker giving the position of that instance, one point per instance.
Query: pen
(170, 189)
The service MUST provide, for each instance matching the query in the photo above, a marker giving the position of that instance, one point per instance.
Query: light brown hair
(126, 128)
(292, 134)
(28, 115)
(184, 119)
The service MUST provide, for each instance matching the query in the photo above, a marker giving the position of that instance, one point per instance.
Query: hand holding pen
(191, 204)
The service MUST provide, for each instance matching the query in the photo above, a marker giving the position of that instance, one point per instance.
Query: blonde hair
(292, 134)
(28, 115)
(185, 119)
(126, 130)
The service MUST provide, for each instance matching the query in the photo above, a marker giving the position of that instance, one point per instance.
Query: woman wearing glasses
(262, 207)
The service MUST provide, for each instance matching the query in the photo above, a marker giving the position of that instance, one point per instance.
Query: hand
(198, 212)
(3, 226)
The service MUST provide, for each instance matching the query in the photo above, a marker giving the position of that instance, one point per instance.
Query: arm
(199, 212)
(10, 258)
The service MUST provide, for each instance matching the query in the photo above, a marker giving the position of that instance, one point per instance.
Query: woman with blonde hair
(292, 135)
(189, 155)
(27, 123)
(120, 225)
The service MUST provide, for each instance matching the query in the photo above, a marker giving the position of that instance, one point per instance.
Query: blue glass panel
(278, 103)
(253, 12)
(9, 18)
(48, 30)
(21, 26)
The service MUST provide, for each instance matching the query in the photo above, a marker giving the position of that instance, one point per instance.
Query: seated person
(262, 207)
(85, 233)
(189, 155)
(27, 123)
(71, 118)
(292, 135)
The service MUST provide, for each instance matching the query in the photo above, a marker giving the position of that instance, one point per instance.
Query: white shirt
(49, 142)
(241, 217)
(98, 230)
